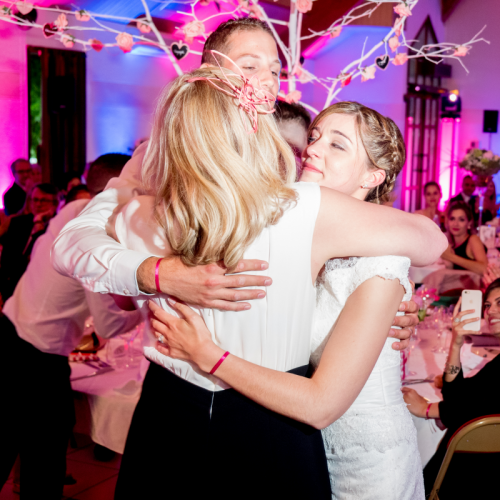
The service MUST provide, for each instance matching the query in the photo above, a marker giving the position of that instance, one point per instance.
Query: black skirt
(190, 443)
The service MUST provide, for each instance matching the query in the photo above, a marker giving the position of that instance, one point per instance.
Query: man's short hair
(15, 162)
(47, 188)
(292, 112)
(218, 40)
(103, 169)
(467, 177)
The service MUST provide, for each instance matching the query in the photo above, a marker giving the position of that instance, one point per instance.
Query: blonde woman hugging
(354, 394)
(223, 184)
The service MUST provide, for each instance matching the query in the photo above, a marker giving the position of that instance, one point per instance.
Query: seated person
(466, 251)
(22, 234)
(432, 195)
(490, 206)
(464, 399)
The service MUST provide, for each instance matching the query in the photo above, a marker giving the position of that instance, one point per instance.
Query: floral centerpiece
(481, 162)
(424, 297)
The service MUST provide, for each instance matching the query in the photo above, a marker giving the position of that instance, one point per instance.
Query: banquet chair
(481, 435)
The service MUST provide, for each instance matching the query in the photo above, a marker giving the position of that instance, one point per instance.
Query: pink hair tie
(427, 411)
(224, 356)
(157, 276)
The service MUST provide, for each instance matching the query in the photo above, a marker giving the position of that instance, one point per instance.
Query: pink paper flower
(402, 10)
(49, 30)
(336, 32)
(368, 73)
(97, 45)
(394, 43)
(255, 11)
(68, 41)
(204, 3)
(400, 59)
(346, 80)
(304, 6)
(82, 15)
(143, 27)
(461, 51)
(293, 97)
(24, 7)
(192, 29)
(125, 41)
(61, 22)
(398, 26)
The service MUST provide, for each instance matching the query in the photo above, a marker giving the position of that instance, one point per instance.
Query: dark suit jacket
(14, 199)
(16, 252)
(465, 399)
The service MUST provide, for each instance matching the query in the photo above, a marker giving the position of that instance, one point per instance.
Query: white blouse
(276, 331)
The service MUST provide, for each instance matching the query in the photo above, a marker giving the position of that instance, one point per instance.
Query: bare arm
(361, 330)
(480, 262)
(372, 230)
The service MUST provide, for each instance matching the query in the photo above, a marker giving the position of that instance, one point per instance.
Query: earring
(364, 186)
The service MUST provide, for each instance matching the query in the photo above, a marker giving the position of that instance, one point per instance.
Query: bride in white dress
(372, 447)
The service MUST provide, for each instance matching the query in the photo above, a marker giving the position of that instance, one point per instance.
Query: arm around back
(348, 227)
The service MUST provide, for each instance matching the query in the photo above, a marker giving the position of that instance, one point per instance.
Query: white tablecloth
(106, 402)
(424, 363)
(418, 274)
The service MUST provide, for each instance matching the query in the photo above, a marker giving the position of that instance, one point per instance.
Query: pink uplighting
(448, 158)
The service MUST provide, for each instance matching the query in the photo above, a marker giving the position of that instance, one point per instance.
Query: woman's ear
(374, 178)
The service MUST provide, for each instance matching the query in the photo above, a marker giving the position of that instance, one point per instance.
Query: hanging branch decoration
(397, 49)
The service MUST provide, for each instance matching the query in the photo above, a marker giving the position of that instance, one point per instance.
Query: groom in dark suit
(15, 197)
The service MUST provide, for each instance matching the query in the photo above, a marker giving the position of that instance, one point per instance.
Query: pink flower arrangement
(368, 73)
(192, 29)
(336, 32)
(61, 22)
(143, 27)
(293, 97)
(125, 41)
(68, 41)
(304, 6)
(401, 9)
(461, 51)
(97, 45)
(400, 59)
(394, 43)
(24, 7)
(82, 15)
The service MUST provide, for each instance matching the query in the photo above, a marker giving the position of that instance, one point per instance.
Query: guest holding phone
(463, 398)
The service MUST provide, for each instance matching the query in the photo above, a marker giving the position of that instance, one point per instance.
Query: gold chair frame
(481, 435)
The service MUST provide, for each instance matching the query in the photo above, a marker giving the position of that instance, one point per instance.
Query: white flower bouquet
(481, 162)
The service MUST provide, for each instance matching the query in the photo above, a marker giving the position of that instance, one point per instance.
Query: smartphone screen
(472, 299)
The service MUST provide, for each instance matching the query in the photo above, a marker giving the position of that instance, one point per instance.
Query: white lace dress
(372, 449)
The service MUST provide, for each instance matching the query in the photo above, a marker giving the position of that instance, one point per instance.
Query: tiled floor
(94, 480)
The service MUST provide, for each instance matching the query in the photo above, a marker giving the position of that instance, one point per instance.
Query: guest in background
(293, 123)
(466, 251)
(4, 222)
(432, 195)
(15, 197)
(467, 196)
(490, 206)
(80, 192)
(43, 322)
(22, 234)
(36, 174)
(463, 400)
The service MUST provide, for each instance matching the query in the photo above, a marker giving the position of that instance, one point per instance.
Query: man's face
(22, 173)
(256, 54)
(468, 186)
(42, 202)
(295, 134)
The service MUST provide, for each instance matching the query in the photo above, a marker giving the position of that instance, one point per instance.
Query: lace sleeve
(388, 267)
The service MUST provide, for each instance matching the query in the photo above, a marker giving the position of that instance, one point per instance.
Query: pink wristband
(427, 411)
(157, 277)
(224, 356)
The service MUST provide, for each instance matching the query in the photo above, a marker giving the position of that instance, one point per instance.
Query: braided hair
(382, 140)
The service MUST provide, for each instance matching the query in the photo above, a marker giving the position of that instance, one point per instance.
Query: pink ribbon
(249, 95)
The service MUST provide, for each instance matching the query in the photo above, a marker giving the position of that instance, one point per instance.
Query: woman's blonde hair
(382, 140)
(217, 186)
